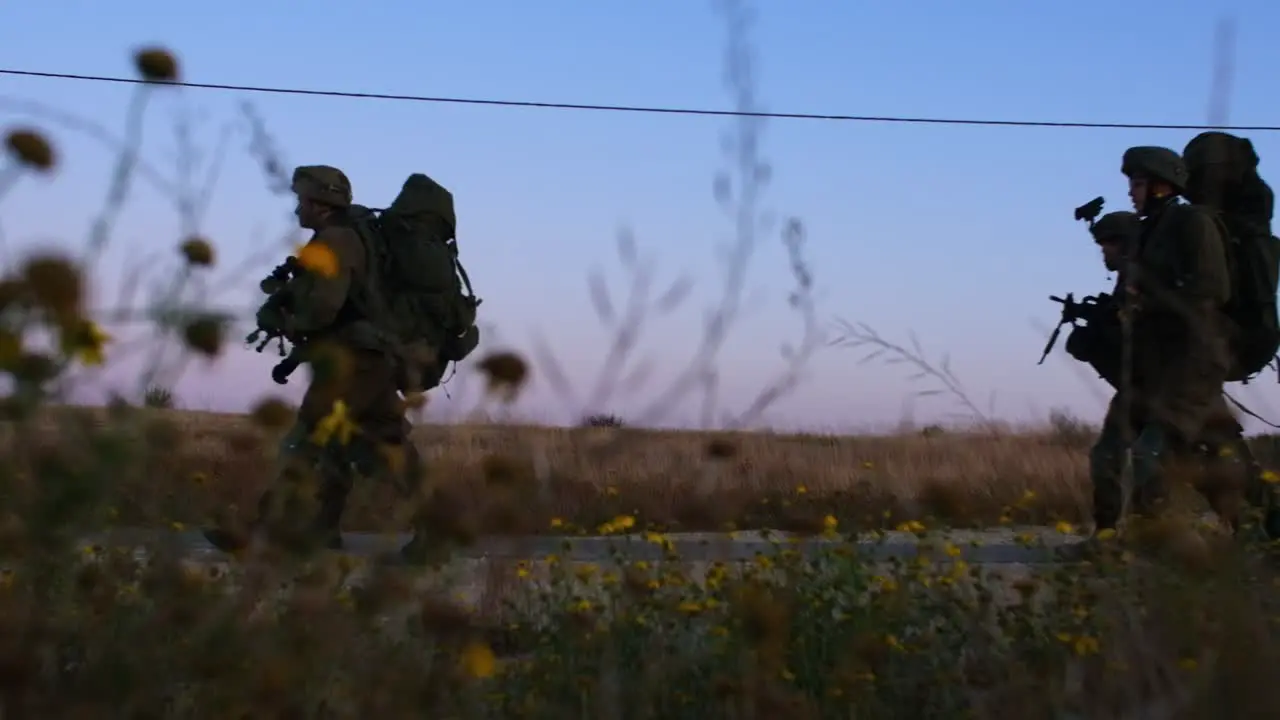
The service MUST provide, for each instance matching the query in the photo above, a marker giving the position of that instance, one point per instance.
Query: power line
(645, 108)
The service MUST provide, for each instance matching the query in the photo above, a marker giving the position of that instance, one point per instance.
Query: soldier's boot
(421, 549)
(230, 540)
(1106, 464)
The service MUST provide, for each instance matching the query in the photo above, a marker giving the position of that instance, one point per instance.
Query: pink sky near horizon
(947, 231)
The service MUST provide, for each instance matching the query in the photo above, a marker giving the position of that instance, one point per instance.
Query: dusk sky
(956, 233)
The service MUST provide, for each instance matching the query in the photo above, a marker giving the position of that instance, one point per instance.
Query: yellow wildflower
(319, 258)
(952, 550)
(689, 607)
(1085, 645)
(1064, 527)
(478, 660)
(1106, 534)
(911, 526)
(87, 343)
(1270, 476)
(829, 524)
(337, 424)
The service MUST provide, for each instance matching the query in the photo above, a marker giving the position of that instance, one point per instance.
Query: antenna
(1224, 70)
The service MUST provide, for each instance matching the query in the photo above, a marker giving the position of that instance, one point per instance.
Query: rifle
(1087, 309)
(275, 285)
(1091, 210)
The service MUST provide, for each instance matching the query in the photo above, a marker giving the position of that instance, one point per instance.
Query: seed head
(31, 148)
(198, 251)
(55, 283)
(505, 373)
(204, 335)
(272, 414)
(156, 64)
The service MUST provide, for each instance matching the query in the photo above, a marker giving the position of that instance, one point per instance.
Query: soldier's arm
(318, 295)
(1199, 262)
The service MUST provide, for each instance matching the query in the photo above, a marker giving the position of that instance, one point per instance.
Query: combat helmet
(1116, 227)
(1213, 147)
(1156, 162)
(322, 183)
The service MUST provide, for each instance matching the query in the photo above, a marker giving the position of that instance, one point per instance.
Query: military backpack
(425, 295)
(1254, 256)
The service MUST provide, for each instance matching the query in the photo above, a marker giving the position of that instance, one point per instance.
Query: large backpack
(1254, 255)
(425, 295)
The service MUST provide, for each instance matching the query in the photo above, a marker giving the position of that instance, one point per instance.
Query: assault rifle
(278, 301)
(1090, 309)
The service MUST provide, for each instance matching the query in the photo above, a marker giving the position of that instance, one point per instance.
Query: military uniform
(329, 312)
(1176, 282)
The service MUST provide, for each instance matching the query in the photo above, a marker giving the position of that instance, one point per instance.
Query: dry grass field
(526, 479)
(534, 479)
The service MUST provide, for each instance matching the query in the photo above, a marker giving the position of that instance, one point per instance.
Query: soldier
(331, 315)
(1223, 178)
(1174, 283)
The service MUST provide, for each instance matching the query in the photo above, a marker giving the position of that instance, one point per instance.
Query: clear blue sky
(955, 233)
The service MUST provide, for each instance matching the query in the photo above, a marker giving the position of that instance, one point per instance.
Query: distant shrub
(603, 421)
(158, 397)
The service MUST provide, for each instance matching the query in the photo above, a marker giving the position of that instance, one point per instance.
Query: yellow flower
(318, 258)
(522, 569)
(557, 522)
(618, 524)
(1064, 527)
(1269, 476)
(478, 660)
(952, 550)
(801, 489)
(86, 343)
(1106, 534)
(830, 523)
(336, 424)
(911, 526)
(1085, 645)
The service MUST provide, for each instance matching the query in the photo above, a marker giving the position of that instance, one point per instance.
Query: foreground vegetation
(1172, 619)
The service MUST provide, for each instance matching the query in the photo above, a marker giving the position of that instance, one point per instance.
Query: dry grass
(675, 480)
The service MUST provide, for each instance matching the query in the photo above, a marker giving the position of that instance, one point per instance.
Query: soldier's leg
(1258, 492)
(1150, 458)
(291, 459)
(1106, 468)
